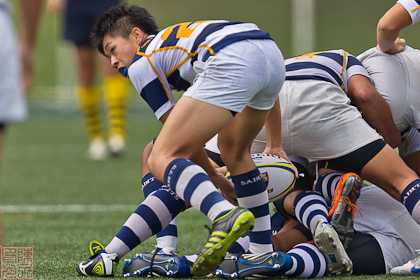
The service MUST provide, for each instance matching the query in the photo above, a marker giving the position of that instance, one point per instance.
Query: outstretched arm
(389, 27)
(274, 144)
(375, 110)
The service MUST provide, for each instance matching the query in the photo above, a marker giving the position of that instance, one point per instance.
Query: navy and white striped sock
(193, 185)
(240, 246)
(309, 207)
(308, 262)
(251, 192)
(410, 197)
(168, 237)
(153, 215)
(326, 183)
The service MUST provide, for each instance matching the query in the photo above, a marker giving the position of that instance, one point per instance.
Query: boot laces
(350, 205)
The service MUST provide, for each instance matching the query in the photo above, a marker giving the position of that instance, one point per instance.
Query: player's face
(120, 51)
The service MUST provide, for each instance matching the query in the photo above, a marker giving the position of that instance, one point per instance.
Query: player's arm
(389, 27)
(218, 178)
(274, 144)
(30, 11)
(375, 110)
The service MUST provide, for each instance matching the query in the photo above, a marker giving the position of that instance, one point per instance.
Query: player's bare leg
(88, 97)
(234, 143)
(191, 124)
(389, 171)
(116, 96)
(413, 161)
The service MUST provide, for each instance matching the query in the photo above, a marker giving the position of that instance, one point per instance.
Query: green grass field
(46, 179)
(56, 200)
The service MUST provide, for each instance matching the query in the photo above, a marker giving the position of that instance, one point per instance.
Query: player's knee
(233, 152)
(145, 156)
(153, 160)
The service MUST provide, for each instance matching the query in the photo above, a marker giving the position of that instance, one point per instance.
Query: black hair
(119, 21)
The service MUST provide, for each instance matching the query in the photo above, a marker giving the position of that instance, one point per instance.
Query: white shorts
(12, 99)
(318, 123)
(397, 79)
(245, 73)
(390, 223)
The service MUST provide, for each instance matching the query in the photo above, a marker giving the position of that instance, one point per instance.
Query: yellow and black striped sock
(116, 93)
(89, 103)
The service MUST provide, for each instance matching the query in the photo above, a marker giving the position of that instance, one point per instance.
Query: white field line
(9, 209)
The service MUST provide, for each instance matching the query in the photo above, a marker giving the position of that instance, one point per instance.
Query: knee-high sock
(309, 207)
(168, 237)
(153, 215)
(89, 103)
(251, 192)
(308, 262)
(241, 246)
(410, 197)
(193, 185)
(326, 184)
(116, 93)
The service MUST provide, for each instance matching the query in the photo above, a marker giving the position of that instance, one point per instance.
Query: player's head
(119, 21)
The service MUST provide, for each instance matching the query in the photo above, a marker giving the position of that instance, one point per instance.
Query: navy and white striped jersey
(334, 66)
(165, 62)
(413, 8)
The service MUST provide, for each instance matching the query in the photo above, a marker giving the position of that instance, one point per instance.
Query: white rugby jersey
(413, 8)
(334, 66)
(165, 62)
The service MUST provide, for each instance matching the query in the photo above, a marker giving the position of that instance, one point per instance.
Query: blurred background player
(79, 17)
(16, 76)
(404, 13)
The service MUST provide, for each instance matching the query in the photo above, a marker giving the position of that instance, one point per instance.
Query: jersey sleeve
(152, 85)
(355, 67)
(413, 8)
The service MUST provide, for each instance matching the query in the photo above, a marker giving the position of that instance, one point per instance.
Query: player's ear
(137, 34)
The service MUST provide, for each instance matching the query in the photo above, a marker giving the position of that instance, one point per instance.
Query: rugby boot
(225, 231)
(341, 214)
(329, 244)
(263, 265)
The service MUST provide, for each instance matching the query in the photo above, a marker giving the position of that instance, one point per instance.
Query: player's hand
(398, 46)
(224, 185)
(281, 153)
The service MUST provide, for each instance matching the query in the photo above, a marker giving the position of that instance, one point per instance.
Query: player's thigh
(413, 161)
(388, 171)
(189, 126)
(86, 65)
(236, 138)
(409, 149)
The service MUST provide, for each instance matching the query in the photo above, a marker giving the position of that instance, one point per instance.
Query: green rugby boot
(223, 234)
